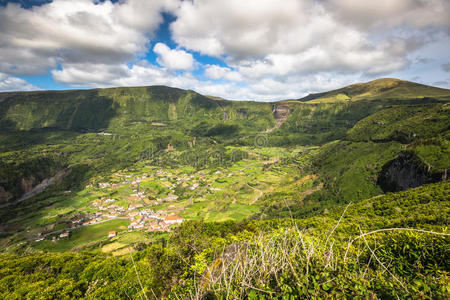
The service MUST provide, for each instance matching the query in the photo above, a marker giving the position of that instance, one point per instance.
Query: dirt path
(257, 196)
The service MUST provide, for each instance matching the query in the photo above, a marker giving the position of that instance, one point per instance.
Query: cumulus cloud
(172, 58)
(10, 83)
(102, 75)
(263, 37)
(241, 28)
(65, 31)
(88, 74)
(382, 14)
(217, 72)
(373, 60)
(269, 49)
(143, 73)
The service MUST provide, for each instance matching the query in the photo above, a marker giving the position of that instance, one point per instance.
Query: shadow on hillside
(81, 111)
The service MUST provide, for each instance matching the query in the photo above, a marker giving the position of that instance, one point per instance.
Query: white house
(173, 220)
(64, 235)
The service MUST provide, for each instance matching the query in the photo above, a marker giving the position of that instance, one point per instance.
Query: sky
(259, 50)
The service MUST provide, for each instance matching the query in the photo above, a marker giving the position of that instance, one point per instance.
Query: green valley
(158, 192)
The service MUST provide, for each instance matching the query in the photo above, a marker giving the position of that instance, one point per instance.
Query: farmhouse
(171, 197)
(112, 234)
(155, 227)
(134, 206)
(64, 235)
(133, 214)
(173, 220)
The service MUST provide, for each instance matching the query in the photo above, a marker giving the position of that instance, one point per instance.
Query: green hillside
(384, 88)
(245, 177)
(93, 110)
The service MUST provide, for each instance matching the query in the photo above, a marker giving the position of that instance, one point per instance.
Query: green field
(84, 236)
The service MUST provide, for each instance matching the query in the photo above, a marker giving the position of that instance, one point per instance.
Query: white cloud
(143, 15)
(241, 28)
(88, 74)
(66, 31)
(271, 49)
(101, 75)
(172, 58)
(382, 14)
(367, 58)
(10, 83)
(144, 74)
(267, 37)
(218, 72)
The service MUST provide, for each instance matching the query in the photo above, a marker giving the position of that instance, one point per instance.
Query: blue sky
(253, 49)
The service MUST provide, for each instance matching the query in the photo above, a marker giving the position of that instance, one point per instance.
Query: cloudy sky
(237, 49)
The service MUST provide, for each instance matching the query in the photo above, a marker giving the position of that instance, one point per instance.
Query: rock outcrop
(406, 171)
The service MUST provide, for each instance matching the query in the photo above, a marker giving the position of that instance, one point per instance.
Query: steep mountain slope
(91, 110)
(393, 149)
(384, 88)
(45, 132)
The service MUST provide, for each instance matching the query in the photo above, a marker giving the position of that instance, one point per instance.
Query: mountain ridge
(382, 88)
(349, 90)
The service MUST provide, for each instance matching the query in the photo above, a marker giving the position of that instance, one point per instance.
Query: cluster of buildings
(140, 218)
(148, 220)
(144, 219)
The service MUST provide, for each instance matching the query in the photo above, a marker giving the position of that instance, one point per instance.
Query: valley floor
(155, 198)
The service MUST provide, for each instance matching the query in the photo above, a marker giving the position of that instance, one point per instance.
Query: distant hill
(98, 109)
(384, 88)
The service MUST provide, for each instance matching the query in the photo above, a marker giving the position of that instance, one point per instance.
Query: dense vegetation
(334, 254)
(339, 194)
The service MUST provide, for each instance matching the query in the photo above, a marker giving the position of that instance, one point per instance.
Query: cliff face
(20, 176)
(404, 172)
(281, 112)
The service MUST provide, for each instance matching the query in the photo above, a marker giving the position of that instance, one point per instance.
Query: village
(148, 199)
(141, 217)
(145, 201)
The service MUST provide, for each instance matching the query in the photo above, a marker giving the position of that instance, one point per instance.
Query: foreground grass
(291, 263)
